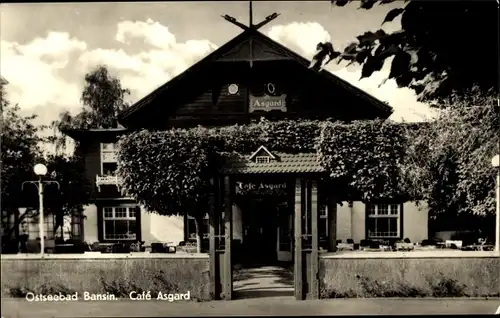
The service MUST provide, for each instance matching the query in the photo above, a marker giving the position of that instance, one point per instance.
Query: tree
(103, 97)
(168, 172)
(441, 47)
(20, 151)
(448, 160)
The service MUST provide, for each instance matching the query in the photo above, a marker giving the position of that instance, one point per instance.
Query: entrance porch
(276, 209)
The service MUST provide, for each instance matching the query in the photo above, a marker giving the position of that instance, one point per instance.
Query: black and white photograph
(257, 158)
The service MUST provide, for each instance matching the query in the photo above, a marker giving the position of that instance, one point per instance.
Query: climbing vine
(367, 155)
(169, 171)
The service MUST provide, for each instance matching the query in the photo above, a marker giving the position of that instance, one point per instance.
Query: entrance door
(285, 234)
(259, 233)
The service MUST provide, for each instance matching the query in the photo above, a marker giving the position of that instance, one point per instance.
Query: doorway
(265, 265)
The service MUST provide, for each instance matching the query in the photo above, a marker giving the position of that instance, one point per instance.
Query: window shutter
(100, 220)
(138, 230)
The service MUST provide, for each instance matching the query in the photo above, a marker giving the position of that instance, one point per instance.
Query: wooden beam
(235, 22)
(266, 21)
(228, 231)
(332, 219)
(250, 11)
(314, 271)
(299, 193)
(212, 219)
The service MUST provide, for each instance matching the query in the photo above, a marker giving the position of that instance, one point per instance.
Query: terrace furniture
(402, 246)
(453, 244)
(345, 247)
(162, 248)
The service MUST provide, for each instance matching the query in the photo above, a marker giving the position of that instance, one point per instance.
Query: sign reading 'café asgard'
(267, 103)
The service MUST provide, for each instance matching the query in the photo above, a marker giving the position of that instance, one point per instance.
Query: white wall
(344, 228)
(155, 228)
(415, 221)
(351, 221)
(350, 224)
(90, 224)
(358, 217)
(237, 223)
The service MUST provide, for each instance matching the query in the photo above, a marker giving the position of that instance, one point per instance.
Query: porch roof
(284, 163)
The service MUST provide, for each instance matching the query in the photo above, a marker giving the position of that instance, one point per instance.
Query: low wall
(411, 274)
(117, 274)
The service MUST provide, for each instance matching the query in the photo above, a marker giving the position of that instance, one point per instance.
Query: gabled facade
(249, 77)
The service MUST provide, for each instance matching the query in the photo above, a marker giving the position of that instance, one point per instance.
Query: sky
(46, 49)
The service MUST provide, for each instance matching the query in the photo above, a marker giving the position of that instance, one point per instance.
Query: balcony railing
(109, 156)
(108, 180)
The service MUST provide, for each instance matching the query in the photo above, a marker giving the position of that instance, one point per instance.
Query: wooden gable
(255, 49)
(250, 56)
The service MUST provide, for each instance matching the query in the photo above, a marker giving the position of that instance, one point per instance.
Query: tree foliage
(441, 46)
(103, 97)
(367, 156)
(445, 162)
(20, 151)
(169, 171)
(449, 160)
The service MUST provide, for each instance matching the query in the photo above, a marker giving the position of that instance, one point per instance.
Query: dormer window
(262, 159)
(262, 156)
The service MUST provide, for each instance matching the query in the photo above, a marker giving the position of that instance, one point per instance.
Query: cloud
(303, 37)
(46, 74)
(161, 56)
(33, 71)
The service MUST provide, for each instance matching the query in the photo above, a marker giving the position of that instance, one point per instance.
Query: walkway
(284, 306)
(267, 281)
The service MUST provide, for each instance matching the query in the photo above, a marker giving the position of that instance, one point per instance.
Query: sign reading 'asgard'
(267, 103)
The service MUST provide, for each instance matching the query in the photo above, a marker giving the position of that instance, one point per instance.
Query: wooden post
(298, 239)
(212, 219)
(332, 220)
(228, 231)
(314, 272)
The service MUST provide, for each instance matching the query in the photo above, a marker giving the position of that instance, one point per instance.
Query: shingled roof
(284, 163)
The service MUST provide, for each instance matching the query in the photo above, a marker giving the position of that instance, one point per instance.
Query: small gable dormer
(262, 156)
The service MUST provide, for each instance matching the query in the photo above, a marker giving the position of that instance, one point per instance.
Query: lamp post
(41, 170)
(495, 162)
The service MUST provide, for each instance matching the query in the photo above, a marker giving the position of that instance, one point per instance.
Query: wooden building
(249, 77)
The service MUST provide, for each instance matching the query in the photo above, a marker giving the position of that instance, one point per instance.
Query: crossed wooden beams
(251, 25)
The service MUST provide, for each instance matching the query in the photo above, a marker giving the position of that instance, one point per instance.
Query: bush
(121, 287)
(43, 289)
(446, 287)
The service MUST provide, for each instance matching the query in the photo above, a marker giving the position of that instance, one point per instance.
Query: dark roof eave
(79, 134)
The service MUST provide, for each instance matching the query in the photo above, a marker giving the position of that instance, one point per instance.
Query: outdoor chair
(453, 244)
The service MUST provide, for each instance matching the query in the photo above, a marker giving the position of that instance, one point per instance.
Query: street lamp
(41, 170)
(495, 162)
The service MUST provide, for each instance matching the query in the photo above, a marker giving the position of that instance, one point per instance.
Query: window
(262, 159)
(29, 226)
(108, 159)
(384, 220)
(77, 226)
(120, 223)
